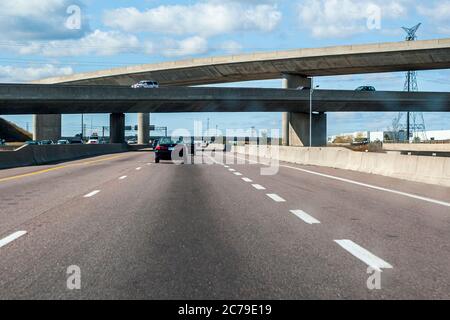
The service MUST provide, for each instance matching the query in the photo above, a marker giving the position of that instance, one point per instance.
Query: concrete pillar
(295, 126)
(291, 82)
(285, 128)
(117, 128)
(299, 130)
(47, 127)
(143, 128)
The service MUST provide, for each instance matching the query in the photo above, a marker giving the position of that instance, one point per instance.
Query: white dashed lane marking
(247, 180)
(275, 197)
(11, 238)
(138, 168)
(305, 217)
(237, 174)
(123, 177)
(362, 254)
(93, 193)
(258, 187)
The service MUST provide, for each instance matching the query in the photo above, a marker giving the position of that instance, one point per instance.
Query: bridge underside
(48, 102)
(43, 99)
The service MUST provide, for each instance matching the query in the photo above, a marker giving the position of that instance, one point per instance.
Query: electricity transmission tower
(415, 123)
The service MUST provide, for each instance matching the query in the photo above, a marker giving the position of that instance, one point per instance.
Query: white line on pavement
(138, 168)
(237, 174)
(123, 177)
(400, 193)
(226, 167)
(258, 187)
(362, 254)
(276, 197)
(11, 238)
(442, 203)
(305, 217)
(231, 170)
(93, 193)
(247, 180)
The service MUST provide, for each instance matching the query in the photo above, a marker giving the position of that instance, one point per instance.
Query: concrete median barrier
(432, 170)
(38, 155)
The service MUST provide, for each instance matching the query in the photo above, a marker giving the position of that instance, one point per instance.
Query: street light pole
(310, 111)
(311, 91)
(82, 126)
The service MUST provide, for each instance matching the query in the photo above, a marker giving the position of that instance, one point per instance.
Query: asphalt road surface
(139, 230)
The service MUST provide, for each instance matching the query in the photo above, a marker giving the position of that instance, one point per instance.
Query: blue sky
(43, 38)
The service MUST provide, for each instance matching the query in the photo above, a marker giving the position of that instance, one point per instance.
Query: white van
(146, 84)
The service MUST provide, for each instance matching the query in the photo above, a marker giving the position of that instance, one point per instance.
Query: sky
(45, 38)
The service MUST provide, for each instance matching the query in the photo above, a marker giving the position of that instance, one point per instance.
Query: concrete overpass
(295, 65)
(70, 99)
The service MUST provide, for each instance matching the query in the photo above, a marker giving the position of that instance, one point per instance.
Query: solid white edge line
(11, 238)
(305, 217)
(405, 194)
(258, 187)
(275, 197)
(364, 255)
(93, 193)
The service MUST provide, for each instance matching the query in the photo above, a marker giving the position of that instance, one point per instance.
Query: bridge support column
(295, 126)
(299, 129)
(143, 128)
(117, 128)
(47, 127)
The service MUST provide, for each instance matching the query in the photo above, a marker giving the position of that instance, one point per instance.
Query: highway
(139, 230)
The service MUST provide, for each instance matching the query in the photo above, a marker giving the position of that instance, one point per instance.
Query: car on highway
(76, 141)
(132, 141)
(63, 141)
(92, 141)
(366, 88)
(167, 148)
(45, 142)
(146, 84)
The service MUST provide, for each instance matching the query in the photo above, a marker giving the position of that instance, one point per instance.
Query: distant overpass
(68, 99)
(329, 61)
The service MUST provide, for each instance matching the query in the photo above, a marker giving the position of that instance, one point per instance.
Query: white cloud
(12, 74)
(438, 13)
(343, 18)
(96, 43)
(39, 20)
(205, 18)
(231, 47)
(187, 47)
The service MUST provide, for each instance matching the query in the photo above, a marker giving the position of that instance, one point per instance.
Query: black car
(366, 88)
(45, 142)
(167, 149)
